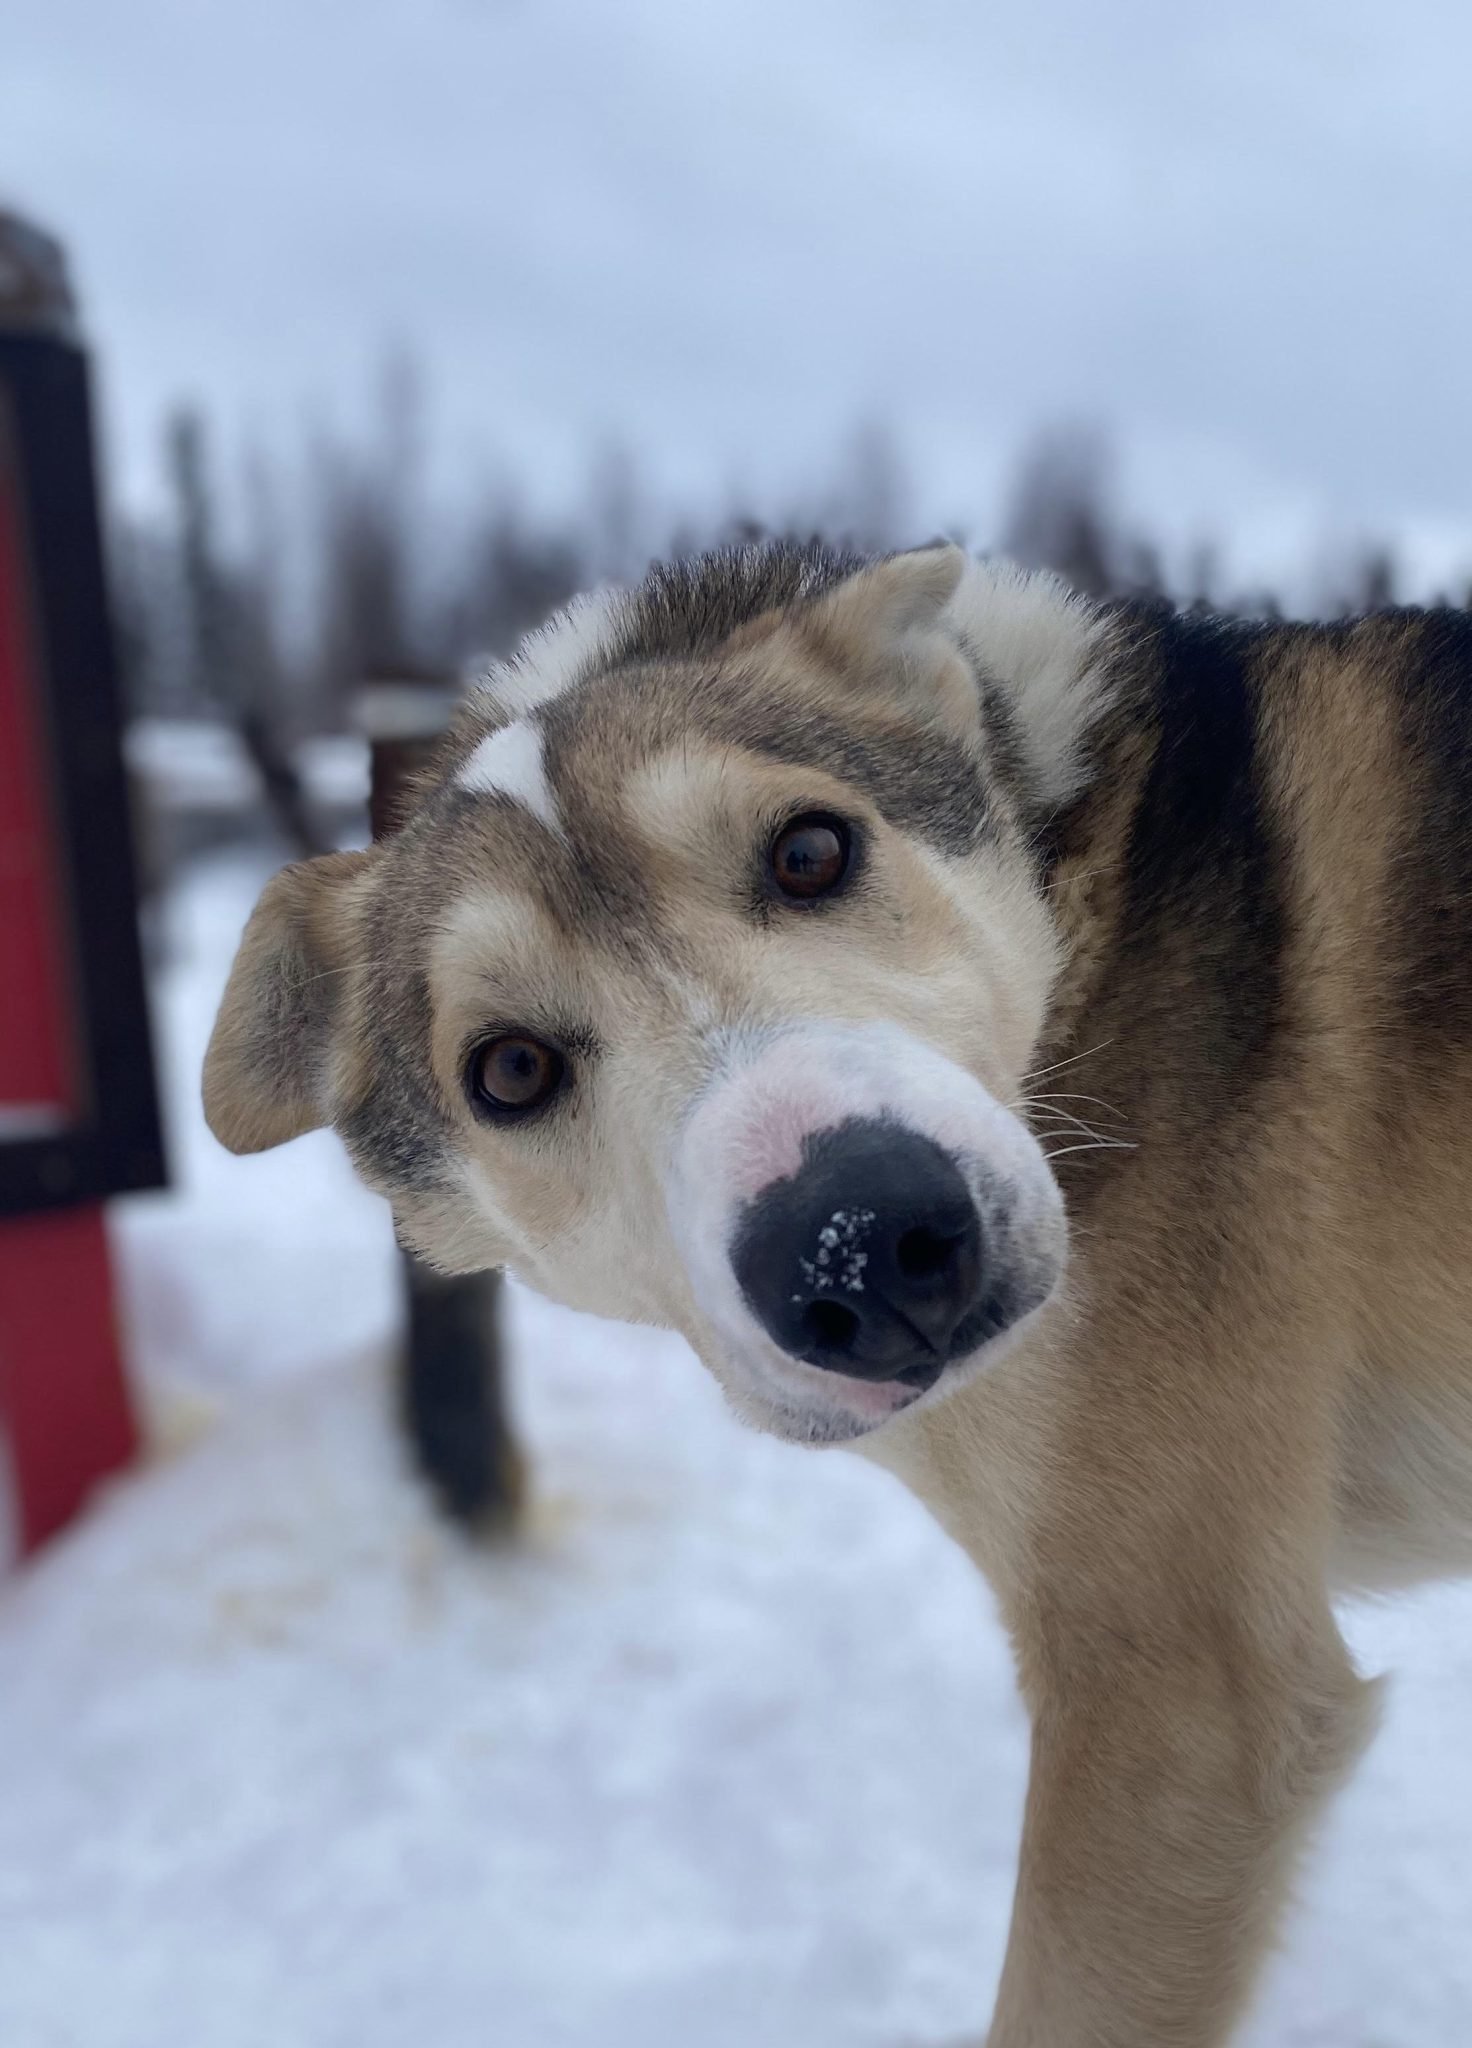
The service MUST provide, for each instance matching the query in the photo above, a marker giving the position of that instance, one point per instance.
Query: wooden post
(452, 1384)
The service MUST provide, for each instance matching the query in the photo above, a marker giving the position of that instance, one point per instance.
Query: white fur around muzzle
(769, 1095)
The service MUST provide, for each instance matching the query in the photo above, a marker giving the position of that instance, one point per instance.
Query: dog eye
(810, 857)
(513, 1074)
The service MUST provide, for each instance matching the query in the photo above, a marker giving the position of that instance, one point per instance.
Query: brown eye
(512, 1074)
(810, 857)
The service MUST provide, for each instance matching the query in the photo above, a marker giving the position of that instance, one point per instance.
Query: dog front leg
(1170, 1784)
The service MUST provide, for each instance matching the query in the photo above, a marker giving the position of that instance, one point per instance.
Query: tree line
(351, 575)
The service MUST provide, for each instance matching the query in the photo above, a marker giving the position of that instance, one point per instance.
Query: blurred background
(406, 322)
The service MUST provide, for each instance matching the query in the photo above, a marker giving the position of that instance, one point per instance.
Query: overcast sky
(1240, 235)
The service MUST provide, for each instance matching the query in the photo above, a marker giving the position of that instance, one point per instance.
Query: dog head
(700, 984)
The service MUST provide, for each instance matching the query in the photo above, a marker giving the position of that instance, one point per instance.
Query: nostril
(829, 1326)
(923, 1253)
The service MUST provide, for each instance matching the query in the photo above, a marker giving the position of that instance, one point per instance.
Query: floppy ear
(266, 1068)
(894, 598)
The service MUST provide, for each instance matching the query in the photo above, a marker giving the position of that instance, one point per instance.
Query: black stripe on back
(1432, 881)
(1204, 919)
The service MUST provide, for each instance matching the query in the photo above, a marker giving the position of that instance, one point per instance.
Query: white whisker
(1041, 1073)
(1098, 1101)
(1063, 1121)
(1087, 875)
(1097, 1145)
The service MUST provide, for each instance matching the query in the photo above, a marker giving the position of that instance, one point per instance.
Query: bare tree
(617, 542)
(1376, 580)
(1059, 516)
(870, 506)
(229, 639)
(1141, 572)
(153, 659)
(516, 574)
(368, 502)
(1203, 576)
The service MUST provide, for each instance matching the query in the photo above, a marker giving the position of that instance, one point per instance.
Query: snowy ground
(728, 1753)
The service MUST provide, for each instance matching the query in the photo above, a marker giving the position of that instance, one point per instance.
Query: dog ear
(265, 1072)
(890, 600)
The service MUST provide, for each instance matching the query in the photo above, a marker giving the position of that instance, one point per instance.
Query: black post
(452, 1382)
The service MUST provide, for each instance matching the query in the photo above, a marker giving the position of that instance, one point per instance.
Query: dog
(1026, 1038)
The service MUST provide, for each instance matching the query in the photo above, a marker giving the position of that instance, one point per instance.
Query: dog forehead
(592, 787)
(498, 961)
(600, 916)
(529, 895)
(557, 794)
(580, 801)
(487, 923)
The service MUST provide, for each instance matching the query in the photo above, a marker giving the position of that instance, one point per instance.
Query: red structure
(78, 1114)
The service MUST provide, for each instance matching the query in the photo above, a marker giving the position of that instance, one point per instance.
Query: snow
(843, 1231)
(727, 1751)
(199, 765)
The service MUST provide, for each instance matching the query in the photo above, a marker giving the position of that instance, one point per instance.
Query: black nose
(869, 1260)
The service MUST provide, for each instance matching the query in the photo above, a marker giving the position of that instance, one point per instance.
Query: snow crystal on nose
(840, 1258)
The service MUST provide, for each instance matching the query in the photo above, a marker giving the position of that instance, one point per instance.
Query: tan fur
(1253, 1386)
(264, 1076)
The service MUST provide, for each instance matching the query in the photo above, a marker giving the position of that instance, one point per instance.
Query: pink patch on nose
(762, 1132)
(769, 1148)
(752, 1129)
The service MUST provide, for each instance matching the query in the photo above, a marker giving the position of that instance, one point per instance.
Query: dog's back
(1267, 888)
